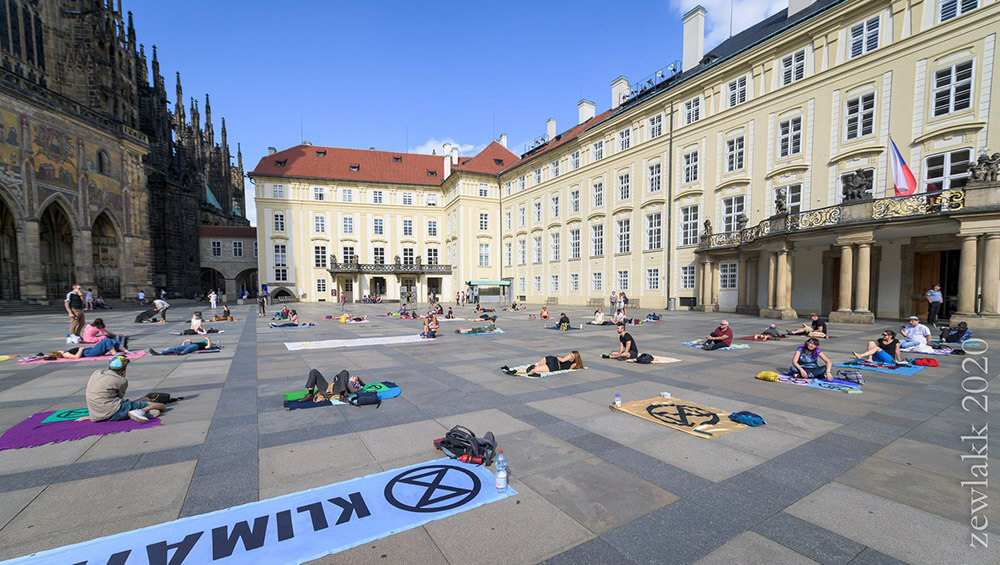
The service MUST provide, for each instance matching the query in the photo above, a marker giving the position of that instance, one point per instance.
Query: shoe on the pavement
(154, 413)
(153, 351)
(307, 398)
(138, 415)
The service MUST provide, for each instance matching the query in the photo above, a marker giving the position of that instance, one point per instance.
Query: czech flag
(902, 177)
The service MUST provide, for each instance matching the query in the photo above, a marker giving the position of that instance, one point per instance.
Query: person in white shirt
(161, 307)
(915, 334)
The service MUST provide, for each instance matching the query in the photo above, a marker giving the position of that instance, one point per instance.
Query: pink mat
(32, 432)
(36, 360)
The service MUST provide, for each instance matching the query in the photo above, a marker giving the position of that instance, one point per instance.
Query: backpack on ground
(461, 441)
(644, 358)
(851, 376)
(366, 398)
(163, 397)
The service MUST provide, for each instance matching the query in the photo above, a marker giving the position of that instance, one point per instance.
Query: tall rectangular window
(656, 126)
(598, 150)
(652, 279)
(574, 201)
(864, 37)
(727, 276)
(319, 193)
(954, 8)
(521, 182)
(319, 256)
(623, 237)
(734, 154)
(538, 175)
(945, 171)
(522, 252)
(624, 187)
(793, 67)
(378, 255)
(953, 88)
(377, 228)
(737, 91)
(574, 244)
(321, 286)
(521, 284)
(654, 231)
(624, 139)
(859, 120)
(508, 254)
(622, 280)
(732, 209)
(484, 254)
(216, 249)
(574, 281)
(538, 283)
(555, 168)
(408, 256)
(319, 223)
(376, 197)
(554, 246)
(689, 225)
(349, 256)
(691, 167)
(687, 277)
(348, 224)
(408, 228)
(347, 195)
(255, 249)
(407, 199)
(277, 191)
(507, 219)
(280, 263)
(574, 160)
(520, 216)
(598, 191)
(484, 221)
(279, 222)
(555, 206)
(536, 248)
(596, 280)
(790, 137)
(484, 189)
(432, 228)
(597, 240)
(237, 249)
(554, 283)
(538, 210)
(654, 177)
(692, 110)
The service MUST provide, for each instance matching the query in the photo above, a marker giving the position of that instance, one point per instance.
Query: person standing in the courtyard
(261, 305)
(613, 301)
(458, 298)
(213, 299)
(934, 302)
(343, 302)
(161, 308)
(141, 296)
(74, 307)
(88, 299)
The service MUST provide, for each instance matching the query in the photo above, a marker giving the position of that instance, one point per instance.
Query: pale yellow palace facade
(718, 185)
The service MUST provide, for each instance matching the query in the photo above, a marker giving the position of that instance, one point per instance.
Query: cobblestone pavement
(832, 477)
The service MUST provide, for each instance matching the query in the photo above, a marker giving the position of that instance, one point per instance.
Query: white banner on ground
(297, 527)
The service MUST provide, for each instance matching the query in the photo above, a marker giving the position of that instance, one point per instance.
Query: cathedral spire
(225, 144)
(209, 131)
(179, 118)
(131, 33)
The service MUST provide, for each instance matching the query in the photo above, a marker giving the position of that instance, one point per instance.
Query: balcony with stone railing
(387, 268)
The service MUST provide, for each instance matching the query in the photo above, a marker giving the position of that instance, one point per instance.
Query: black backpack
(644, 358)
(366, 398)
(461, 441)
(163, 397)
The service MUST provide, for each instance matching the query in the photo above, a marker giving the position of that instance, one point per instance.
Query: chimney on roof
(454, 155)
(619, 90)
(307, 143)
(447, 150)
(550, 129)
(503, 140)
(796, 6)
(271, 150)
(447, 165)
(694, 37)
(586, 110)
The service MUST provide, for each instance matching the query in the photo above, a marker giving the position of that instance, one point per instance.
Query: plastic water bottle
(501, 461)
(502, 479)
(618, 400)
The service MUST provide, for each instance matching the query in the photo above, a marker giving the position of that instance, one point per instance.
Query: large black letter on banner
(117, 559)
(316, 514)
(157, 552)
(223, 543)
(356, 505)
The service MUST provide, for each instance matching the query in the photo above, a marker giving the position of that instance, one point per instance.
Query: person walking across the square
(343, 302)
(74, 307)
(934, 302)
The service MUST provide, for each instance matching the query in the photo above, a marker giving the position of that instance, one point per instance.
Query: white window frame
(624, 139)
(690, 167)
(433, 256)
(279, 221)
(522, 284)
(790, 137)
(947, 178)
(554, 283)
(597, 240)
(735, 153)
(692, 110)
(624, 186)
(348, 224)
(574, 244)
(597, 193)
(554, 250)
(793, 197)
(319, 223)
(959, 83)
(574, 160)
(319, 256)
(655, 175)
(688, 273)
(555, 168)
(237, 249)
(732, 207)
(623, 279)
(321, 286)
(653, 278)
(319, 193)
(537, 209)
(484, 254)
(522, 252)
(687, 223)
(859, 116)
(596, 280)
(508, 253)
(407, 199)
(216, 247)
(484, 190)
(598, 150)
(536, 248)
(863, 37)
(950, 9)
(378, 226)
(623, 235)
(408, 256)
(538, 283)
(574, 201)
(277, 191)
(347, 195)
(654, 231)
(378, 255)
(521, 215)
(376, 197)
(728, 276)
(736, 91)
(554, 203)
(407, 227)
(432, 228)
(484, 221)
(793, 67)
(538, 175)
(655, 126)
(574, 282)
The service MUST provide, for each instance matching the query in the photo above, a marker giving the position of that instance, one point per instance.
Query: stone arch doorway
(10, 284)
(212, 280)
(56, 237)
(107, 251)
(246, 280)
(283, 295)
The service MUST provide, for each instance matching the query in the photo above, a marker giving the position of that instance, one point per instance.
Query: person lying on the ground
(479, 309)
(344, 318)
(563, 322)
(430, 326)
(343, 384)
(816, 329)
(293, 321)
(627, 348)
(106, 396)
(186, 346)
(720, 337)
(95, 331)
(549, 364)
(884, 350)
(226, 315)
(770, 333)
(959, 334)
(806, 361)
(478, 330)
(544, 314)
(450, 315)
(101, 348)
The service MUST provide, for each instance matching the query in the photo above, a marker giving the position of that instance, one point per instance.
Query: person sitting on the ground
(598, 317)
(652, 317)
(106, 396)
(628, 348)
(544, 314)
(402, 307)
(100, 303)
(816, 329)
(450, 315)
(101, 348)
(430, 326)
(768, 334)
(563, 324)
(438, 309)
(884, 350)
(161, 307)
(226, 315)
(720, 337)
(478, 330)
(619, 317)
(343, 384)
(293, 321)
(958, 334)
(514, 307)
(95, 331)
(805, 362)
(186, 346)
(283, 314)
(914, 334)
(197, 325)
(549, 364)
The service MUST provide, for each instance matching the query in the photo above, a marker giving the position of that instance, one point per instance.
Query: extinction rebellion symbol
(682, 415)
(432, 488)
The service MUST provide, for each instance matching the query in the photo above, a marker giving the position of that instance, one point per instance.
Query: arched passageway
(56, 238)
(106, 245)
(10, 282)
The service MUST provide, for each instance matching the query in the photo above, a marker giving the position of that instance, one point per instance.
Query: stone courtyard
(832, 478)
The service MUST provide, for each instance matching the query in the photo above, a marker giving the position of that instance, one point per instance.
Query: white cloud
(435, 145)
(745, 14)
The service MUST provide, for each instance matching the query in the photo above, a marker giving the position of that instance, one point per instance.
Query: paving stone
(593, 551)
(750, 547)
(807, 539)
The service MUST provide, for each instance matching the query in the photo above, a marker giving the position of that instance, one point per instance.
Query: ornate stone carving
(857, 186)
(741, 222)
(780, 204)
(707, 233)
(919, 204)
(815, 218)
(986, 168)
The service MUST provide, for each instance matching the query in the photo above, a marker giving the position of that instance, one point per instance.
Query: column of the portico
(741, 283)
(862, 290)
(771, 264)
(846, 277)
(716, 268)
(783, 298)
(752, 268)
(706, 284)
(967, 276)
(991, 274)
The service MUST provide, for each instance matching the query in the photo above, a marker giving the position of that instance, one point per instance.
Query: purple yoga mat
(32, 432)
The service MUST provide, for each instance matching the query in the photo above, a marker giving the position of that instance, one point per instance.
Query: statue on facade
(333, 258)
(741, 222)
(986, 168)
(708, 230)
(396, 260)
(857, 186)
(418, 259)
(780, 203)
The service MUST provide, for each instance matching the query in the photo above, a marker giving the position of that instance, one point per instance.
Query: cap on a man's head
(118, 362)
(914, 318)
(814, 315)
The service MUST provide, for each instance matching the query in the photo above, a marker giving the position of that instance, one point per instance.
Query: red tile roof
(227, 231)
(313, 161)
(491, 160)
(562, 138)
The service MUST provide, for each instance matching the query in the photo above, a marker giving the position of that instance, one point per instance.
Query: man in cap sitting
(106, 396)
(816, 329)
(720, 337)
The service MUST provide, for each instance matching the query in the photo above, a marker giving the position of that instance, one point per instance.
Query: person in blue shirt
(934, 302)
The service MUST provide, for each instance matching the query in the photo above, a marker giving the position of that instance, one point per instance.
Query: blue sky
(402, 76)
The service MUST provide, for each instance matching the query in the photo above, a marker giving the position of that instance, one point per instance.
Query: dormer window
(280, 163)
(432, 173)
(397, 159)
(355, 167)
(321, 153)
(498, 162)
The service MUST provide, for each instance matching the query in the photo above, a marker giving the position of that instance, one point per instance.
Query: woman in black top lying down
(549, 364)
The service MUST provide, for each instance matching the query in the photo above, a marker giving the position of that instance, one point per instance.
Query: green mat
(66, 415)
(297, 395)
